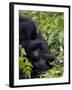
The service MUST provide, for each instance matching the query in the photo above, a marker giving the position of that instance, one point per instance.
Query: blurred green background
(51, 25)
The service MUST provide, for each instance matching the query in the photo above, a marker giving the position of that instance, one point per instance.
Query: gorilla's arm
(52, 58)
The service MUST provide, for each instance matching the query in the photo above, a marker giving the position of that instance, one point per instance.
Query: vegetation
(51, 25)
(24, 64)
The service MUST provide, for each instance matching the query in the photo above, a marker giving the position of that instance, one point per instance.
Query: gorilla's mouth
(36, 54)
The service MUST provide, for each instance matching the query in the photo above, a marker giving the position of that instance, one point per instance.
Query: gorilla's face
(35, 53)
(37, 57)
(34, 50)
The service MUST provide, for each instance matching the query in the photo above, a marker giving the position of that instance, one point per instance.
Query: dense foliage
(51, 25)
(24, 63)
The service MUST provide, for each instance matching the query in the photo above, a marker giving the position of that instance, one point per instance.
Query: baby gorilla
(37, 53)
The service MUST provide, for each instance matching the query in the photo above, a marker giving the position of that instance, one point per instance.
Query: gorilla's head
(27, 29)
(36, 55)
